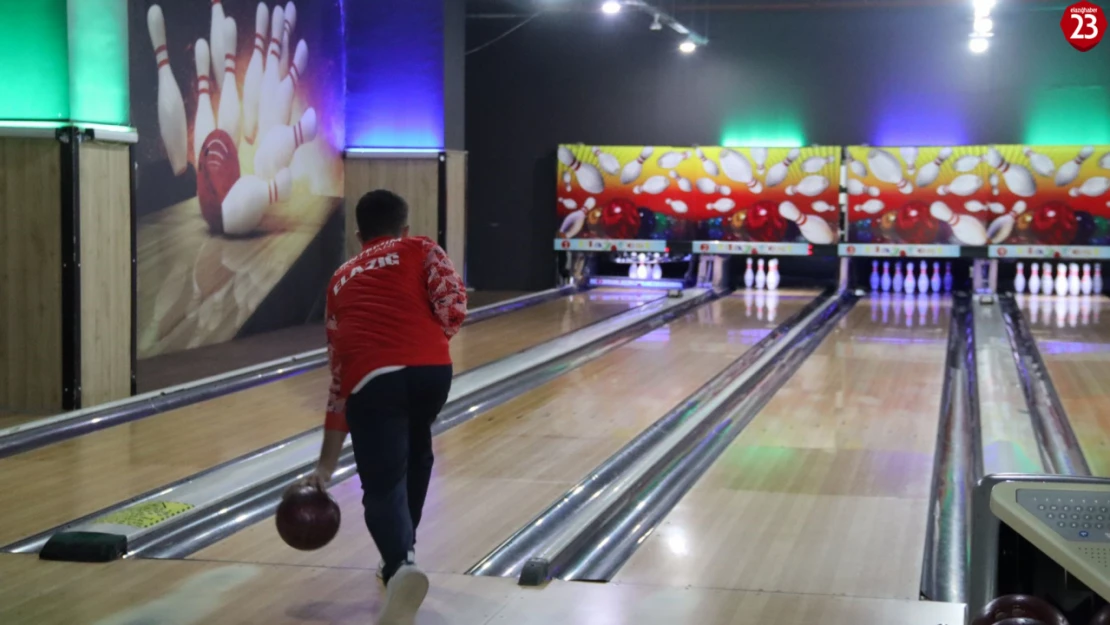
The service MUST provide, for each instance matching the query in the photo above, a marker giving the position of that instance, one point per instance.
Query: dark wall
(879, 76)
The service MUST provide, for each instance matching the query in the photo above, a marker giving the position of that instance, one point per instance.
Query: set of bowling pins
(907, 283)
(766, 276)
(1070, 311)
(263, 113)
(927, 306)
(642, 266)
(1068, 280)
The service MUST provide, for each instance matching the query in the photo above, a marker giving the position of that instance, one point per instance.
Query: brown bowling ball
(307, 518)
(1019, 610)
(1102, 617)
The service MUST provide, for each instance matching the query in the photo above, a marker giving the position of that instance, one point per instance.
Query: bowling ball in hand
(1025, 609)
(217, 171)
(307, 518)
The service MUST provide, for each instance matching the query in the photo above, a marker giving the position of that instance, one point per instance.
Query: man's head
(381, 213)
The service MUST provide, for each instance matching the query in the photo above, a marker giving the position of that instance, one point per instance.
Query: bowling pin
(1047, 284)
(1096, 286)
(1016, 177)
(216, 41)
(1019, 279)
(633, 169)
(566, 180)
(248, 199)
(760, 275)
(608, 163)
(670, 160)
(809, 186)
(899, 280)
(1086, 284)
(759, 155)
(887, 168)
(683, 183)
(855, 166)
(948, 279)
(708, 186)
(252, 84)
(290, 22)
(632, 270)
(587, 175)
(1034, 279)
(909, 156)
(967, 229)
(205, 120)
(975, 206)
(229, 112)
(1041, 164)
(707, 163)
(821, 206)
(874, 275)
(964, 185)
(678, 206)
(656, 272)
(778, 171)
(654, 185)
(967, 162)
(722, 205)
(813, 164)
(871, 206)
(1069, 171)
(934, 282)
(923, 278)
(171, 106)
(271, 77)
(1001, 228)
(773, 277)
(749, 275)
(1091, 187)
(1073, 279)
(855, 187)
(994, 184)
(642, 271)
(814, 229)
(1104, 162)
(738, 168)
(929, 173)
(910, 284)
(287, 89)
(572, 224)
(884, 280)
(275, 150)
(1061, 279)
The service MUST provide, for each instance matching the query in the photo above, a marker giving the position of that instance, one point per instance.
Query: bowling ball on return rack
(307, 518)
(1019, 610)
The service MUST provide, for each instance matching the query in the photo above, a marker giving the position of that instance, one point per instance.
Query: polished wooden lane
(496, 472)
(1073, 336)
(188, 592)
(827, 490)
(76, 477)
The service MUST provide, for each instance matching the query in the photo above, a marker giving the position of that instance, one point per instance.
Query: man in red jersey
(391, 311)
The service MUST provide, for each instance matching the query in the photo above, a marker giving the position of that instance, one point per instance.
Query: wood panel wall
(415, 179)
(105, 180)
(30, 275)
(456, 209)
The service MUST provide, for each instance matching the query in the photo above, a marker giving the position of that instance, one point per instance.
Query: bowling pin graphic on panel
(216, 42)
(228, 119)
(205, 121)
(252, 85)
(270, 74)
(288, 88)
(588, 177)
(738, 168)
(275, 150)
(290, 16)
(171, 106)
(813, 228)
(248, 199)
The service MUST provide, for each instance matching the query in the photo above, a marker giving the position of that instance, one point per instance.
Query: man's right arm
(446, 290)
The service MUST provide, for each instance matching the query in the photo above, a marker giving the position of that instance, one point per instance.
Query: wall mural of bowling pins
(240, 111)
(780, 195)
(979, 195)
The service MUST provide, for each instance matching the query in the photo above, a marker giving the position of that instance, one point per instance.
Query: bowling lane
(496, 472)
(76, 477)
(827, 489)
(1073, 336)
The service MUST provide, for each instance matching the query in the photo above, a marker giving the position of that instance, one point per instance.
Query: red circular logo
(1083, 25)
(704, 247)
(566, 244)
(1002, 251)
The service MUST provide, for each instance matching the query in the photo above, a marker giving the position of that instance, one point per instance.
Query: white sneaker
(381, 565)
(405, 593)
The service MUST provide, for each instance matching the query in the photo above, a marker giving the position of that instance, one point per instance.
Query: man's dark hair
(381, 213)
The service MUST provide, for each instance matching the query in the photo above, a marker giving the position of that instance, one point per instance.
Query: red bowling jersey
(396, 304)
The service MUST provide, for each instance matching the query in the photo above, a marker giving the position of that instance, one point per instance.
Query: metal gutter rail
(50, 430)
(249, 488)
(510, 558)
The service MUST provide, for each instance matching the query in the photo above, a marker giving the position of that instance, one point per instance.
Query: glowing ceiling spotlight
(983, 26)
(687, 46)
(978, 45)
(611, 7)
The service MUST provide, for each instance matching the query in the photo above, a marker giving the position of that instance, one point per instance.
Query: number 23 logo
(1083, 25)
